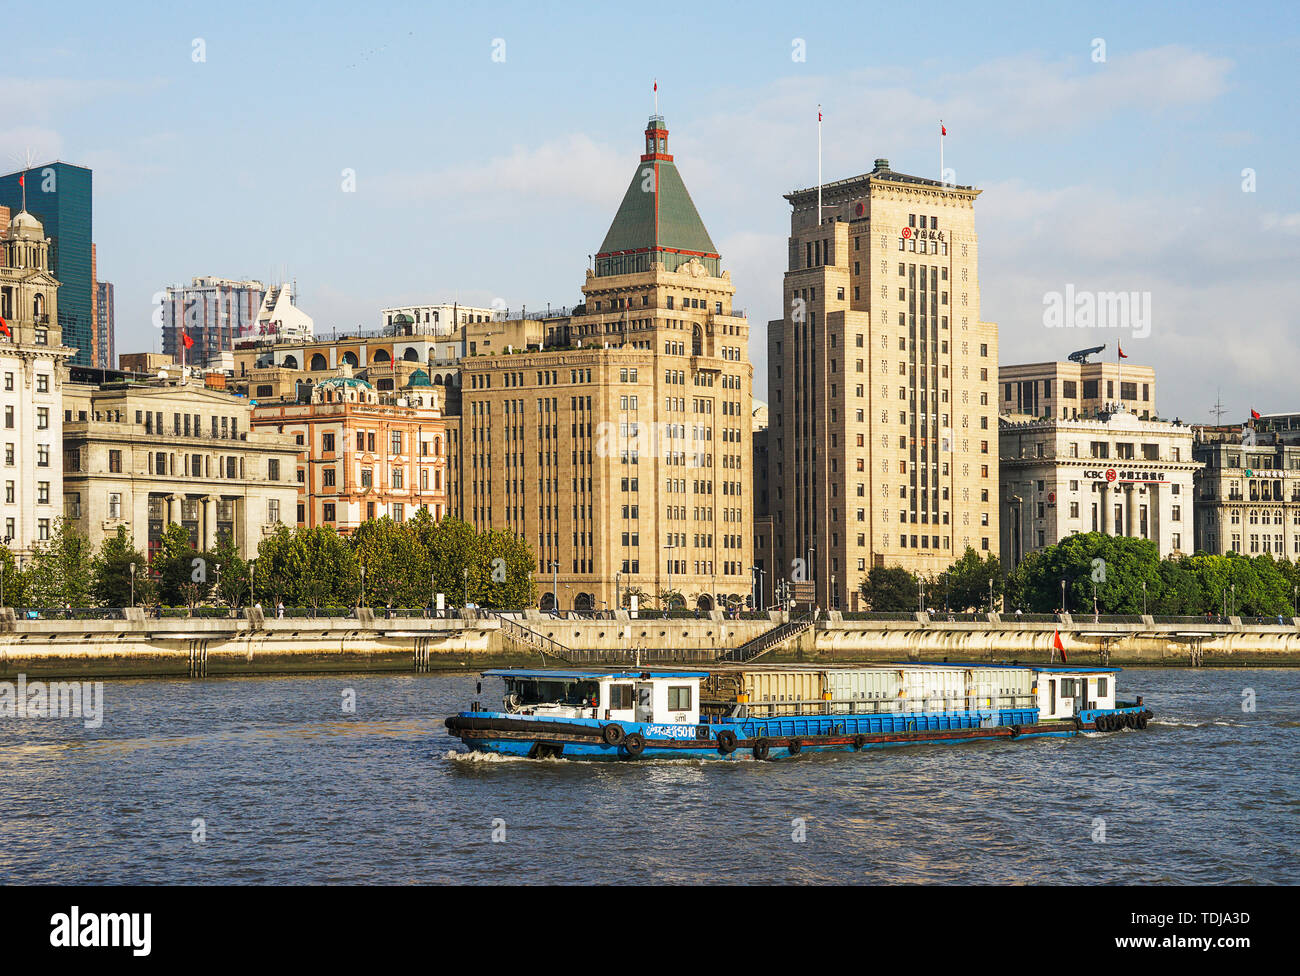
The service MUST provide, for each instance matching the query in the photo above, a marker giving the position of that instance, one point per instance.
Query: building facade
(216, 313)
(619, 446)
(364, 455)
(32, 356)
(59, 196)
(1117, 474)
(143, 455)
(882, 379)
(1248, 491)
(105, 326)
(1074, 391)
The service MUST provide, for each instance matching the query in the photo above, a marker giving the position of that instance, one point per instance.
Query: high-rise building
(881, 385)
(216, 312)
(105, 326)
(1077, 390)
(32, 357)
(619, 446)
(59, 196)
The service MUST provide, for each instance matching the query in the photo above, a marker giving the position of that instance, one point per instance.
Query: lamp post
(218, 584)
(2, 583)
(831, 601)
(362, 600)
(669, 549)
(131, 565)
(465, 589)
(555, 587)
(1144, 598)
(618, 603)
(1232, 604)
(1064, 608)
(250, 583)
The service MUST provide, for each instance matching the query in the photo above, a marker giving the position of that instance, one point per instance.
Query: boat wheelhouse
(768, 711)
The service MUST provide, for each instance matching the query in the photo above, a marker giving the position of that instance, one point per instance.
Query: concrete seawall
(210, 647)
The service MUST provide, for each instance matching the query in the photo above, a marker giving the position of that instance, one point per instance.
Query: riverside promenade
(127, 643)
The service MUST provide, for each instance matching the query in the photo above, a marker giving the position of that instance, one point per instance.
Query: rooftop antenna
(1218, 409)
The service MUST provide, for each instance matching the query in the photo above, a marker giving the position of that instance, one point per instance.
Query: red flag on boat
(1056, 642)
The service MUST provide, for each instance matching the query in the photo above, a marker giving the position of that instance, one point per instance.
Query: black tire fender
(1142, 722)
(794, 746)
(612, 733)
(634, 743)
(1015, 731)
(859, 742)
(726, 742)
(762, 748)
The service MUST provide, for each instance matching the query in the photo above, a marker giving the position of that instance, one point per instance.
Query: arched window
(290, 362)
(318, 362)
(38, 306)
(350, 358)
(411, 356)
(697, 341)
(382, 356)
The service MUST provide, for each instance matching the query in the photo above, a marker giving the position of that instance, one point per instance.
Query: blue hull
(773, 738)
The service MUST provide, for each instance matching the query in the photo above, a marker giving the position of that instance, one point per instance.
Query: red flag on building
(5, 329)
(1056, 642)
(22, 179)
(1122, 353)
(185, 338)
(1254, 414)
(943, 129)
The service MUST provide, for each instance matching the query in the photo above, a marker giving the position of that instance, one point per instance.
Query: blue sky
(479, 179)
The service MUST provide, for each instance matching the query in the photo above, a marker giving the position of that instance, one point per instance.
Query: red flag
(819, 115)
(1122, 353)
(22, 179)
(1254, 414)
(656, 84)
(5, 329)
(943, 129)
(185, 338)
(1056, 642)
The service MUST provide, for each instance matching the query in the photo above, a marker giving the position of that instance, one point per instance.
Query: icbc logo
(1111, 475)
(907, 232)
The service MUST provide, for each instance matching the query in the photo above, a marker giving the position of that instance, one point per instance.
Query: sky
(1118, 147)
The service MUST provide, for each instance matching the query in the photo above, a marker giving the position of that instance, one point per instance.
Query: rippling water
(291, 789)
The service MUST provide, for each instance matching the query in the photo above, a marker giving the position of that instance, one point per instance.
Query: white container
(863, 689)
(1000, 687)
(785, 692)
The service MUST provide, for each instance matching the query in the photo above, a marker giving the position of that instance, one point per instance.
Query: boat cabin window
(620, 696)
(532, 691)
(1101, 687)
(679, 698)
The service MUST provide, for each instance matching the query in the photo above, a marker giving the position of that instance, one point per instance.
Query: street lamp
(250, 583)
(362, 600)
(669, 548)
(1064, 608)
(618, 603)
(465, 574)
(218, 568)
(131, 565)
(1144, 598)
(555, 587)
(990, 596)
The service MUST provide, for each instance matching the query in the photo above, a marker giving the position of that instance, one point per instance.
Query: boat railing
(886, 706)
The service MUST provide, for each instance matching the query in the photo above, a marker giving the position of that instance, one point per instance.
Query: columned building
(1248, 492)
(144, 455)
(1117, 475)
(1077, 390)
(881, 385)
(32, 357)
(620, 446)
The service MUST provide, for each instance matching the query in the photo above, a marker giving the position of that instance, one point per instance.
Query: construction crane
(1081, 356)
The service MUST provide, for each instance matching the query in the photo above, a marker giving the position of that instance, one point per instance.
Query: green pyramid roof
(657, 214)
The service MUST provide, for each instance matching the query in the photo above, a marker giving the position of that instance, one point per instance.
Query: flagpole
(819, 164)
(941, 130)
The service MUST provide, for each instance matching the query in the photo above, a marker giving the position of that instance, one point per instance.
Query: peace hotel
(882, 380)
(619, 446)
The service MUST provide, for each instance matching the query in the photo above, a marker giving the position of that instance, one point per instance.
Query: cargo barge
(775, 712)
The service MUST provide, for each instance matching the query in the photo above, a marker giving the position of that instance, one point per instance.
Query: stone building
(362, 454)
(1072, 390)
(1248, 490)
(619, 447)
(32, 357)
(146, 454)
(882, 378)
(1116, 474)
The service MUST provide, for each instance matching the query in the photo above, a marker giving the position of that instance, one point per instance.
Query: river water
(271, 781)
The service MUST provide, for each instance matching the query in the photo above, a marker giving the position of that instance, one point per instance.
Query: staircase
(767, 641)
(520, 638)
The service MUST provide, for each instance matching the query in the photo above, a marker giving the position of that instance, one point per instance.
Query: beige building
(144, 455)
(1117, 474)
(881, 385)
(621, 450)
(32, 357)
(1073, 390)
(1248, 490)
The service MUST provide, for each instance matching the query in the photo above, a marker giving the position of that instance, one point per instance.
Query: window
(9, 418)
(42, 418)
(115, 462)
(679, 698)
(114, 505)
(272, 469)
(42, 383)
(327, 442)
(329, 511)
(42, 493)
(327, 477)
(620, 696)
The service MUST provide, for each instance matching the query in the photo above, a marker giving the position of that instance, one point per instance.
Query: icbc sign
(1111, 474)
(907, 232)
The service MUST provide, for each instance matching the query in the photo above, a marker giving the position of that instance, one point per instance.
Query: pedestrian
(279, 609)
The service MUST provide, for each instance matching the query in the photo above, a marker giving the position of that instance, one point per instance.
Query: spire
(657, 220)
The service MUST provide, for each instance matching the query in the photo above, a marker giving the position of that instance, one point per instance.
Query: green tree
(60, 573)
(111, 572)
(965, 584)
(182, 574)
(395, 563)
(451, 546)
(331, 573)
(12, 580)
(502, 577)
(231, 580)
(890, 588)
(279, 565)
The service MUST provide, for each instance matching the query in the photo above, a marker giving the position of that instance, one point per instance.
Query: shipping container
(862, 689)
(1004, 687)
(933, 689)
(784, 692)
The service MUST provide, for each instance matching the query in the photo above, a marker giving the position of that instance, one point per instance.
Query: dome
(26, 227)
(419, 378)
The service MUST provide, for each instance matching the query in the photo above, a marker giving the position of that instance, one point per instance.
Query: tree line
(1124, 575)
(383, 563)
